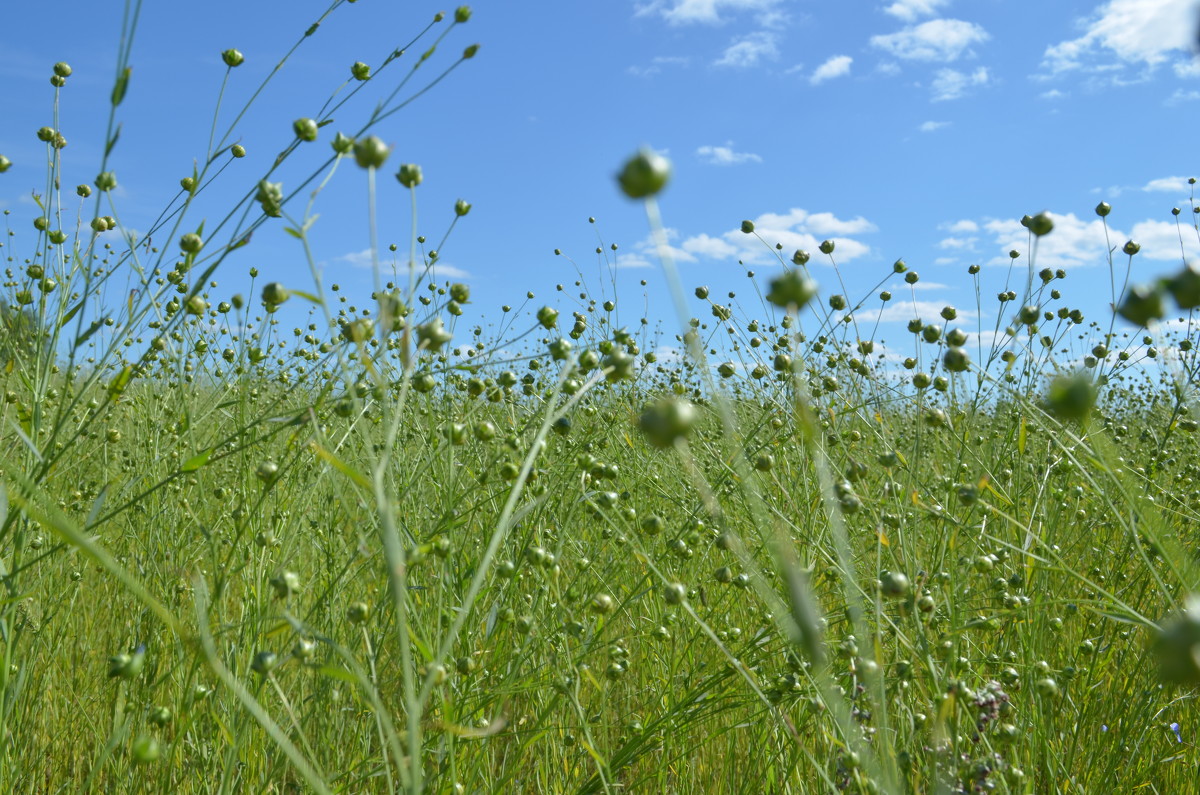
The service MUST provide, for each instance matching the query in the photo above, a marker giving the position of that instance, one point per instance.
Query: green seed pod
(268, 471)
(667, 421)
(911, 277)
(409, 175)
(792, 290)
(360, 71)
(57, 237)
(62, 69)
(800, 257)
(644, 175)
(196, 305)
(305, 129)
(893, 585)
(5, 164)
(747, 227)
(263, 662)
(837, 302)
(462, 207)
(1131, 247)
(285, 584)
(127, 666)
(674, 593)
(826, 247)
(371, 152)
(274, 293)
(1143, 304)
(232, 58)
(460, 292)
(81, 190)
(190, 243)
(358, 612)
(956, 337)
(270, 197)
(602, 603)
(145, 750)
(159, 716)
(237, 150)
(548, 317)
(1103, 209)
(462, 14)
(1071, 397)
(106, 181)
(46, 134)
(470, 51)
(1040, 224)
(432, 336)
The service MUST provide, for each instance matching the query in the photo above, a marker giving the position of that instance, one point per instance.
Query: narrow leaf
(197, 461)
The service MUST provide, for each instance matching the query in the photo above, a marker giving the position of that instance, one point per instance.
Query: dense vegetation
(387, 549)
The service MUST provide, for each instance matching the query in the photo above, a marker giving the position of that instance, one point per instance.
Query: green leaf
(118, 92)
(112, 142)
(197, 461)
(72, 312)
(294, 232)
(307, 296)
(97, 505)
(245, 241)
(118, 384)
(1021, 434)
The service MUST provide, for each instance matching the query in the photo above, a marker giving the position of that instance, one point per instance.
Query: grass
(384, 551)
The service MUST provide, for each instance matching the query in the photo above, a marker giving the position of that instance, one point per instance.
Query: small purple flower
(1175, 728)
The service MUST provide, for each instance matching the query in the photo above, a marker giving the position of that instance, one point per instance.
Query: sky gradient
(914, 129)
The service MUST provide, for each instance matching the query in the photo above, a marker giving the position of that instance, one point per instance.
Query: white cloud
(951, 84)
(1160, 241)
(657, 63)
(796, 229)
(1167, 185)
(958, 243)
(439, 270)
(710, 12)
(1180, 96)
(888, 68)
(909, 10)
(933, 126)
(1136, 31)
(837, 66)
(1189, 68)
(703, 245)
(725, 155)
(1053, 93)
(904, 310)
(750, 50)
(941, 40)
(1074, 242)
(958, 227)
(627, 260)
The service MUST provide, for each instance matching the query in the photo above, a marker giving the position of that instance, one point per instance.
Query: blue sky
(920, 129)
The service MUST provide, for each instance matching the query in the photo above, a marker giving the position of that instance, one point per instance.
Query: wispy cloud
(939, 40)
(1167, 185)
(362, 259)
(657, 63)
(750, 50)
(933, 126)
(1180, 96)
(837, 66)
(725, 155)
(951, 84)
(795, 229)
(903, 310)
(712, 12)
(1146, 32)
(910, 10)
